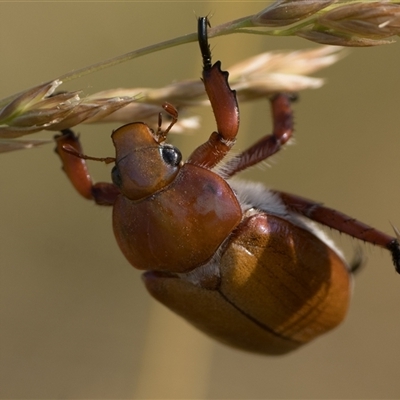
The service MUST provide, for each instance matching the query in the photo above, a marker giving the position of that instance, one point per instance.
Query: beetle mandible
(241, 262)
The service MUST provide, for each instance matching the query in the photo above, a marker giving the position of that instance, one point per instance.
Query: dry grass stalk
(334, 22)
(41, 108)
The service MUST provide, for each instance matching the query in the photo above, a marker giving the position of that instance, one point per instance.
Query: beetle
(241, 262)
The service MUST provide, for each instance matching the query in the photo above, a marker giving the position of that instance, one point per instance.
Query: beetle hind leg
(343, 223)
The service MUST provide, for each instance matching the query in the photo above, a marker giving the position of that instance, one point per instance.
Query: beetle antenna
(203, 23)
(173, 112)
(70, 150)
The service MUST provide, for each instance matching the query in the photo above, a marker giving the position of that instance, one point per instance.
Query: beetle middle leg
(282, 117)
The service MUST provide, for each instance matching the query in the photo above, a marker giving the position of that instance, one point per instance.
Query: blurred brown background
(76, 321)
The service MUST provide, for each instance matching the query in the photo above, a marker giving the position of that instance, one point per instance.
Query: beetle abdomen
(279, 287)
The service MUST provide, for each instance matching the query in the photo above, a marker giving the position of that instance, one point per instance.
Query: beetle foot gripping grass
(241, 262)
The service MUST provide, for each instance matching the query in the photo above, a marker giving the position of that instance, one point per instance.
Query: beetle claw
(394, 248)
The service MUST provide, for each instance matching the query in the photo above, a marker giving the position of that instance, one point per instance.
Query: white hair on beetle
(254, 195)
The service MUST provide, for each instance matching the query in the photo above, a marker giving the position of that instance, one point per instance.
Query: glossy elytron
(241, 262)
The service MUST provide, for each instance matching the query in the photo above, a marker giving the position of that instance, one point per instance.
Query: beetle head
(143, 164)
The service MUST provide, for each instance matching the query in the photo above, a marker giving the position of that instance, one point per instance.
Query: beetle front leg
(224, 104)
(343, 223)
(75, 167)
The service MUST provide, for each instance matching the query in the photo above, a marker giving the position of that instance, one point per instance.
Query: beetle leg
(343, 223)
(224, 105)
(75, 167)
(282, 117)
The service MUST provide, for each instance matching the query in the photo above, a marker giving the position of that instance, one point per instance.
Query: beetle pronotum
(243, 263)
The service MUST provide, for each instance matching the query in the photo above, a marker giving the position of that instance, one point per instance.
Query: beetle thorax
(181, 227)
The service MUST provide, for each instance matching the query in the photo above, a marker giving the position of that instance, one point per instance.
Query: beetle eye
(171, 155)
(116, 176)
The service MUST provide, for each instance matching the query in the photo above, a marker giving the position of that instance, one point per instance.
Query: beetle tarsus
(203, 23)
(66, 135)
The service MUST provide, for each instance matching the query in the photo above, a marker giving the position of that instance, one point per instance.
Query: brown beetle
(243, 263)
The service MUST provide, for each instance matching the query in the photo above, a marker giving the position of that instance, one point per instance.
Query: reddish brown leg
(343, 223)
(282, 117)
(75, 167)
(224, 105)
